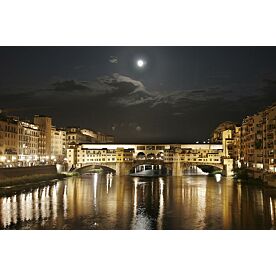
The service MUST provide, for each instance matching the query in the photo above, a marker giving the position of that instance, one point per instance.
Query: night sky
(180, 95)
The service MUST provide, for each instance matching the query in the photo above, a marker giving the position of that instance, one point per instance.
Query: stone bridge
(122, 159)
(124, 168)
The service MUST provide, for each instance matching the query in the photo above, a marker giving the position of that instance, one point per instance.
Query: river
(96, 201)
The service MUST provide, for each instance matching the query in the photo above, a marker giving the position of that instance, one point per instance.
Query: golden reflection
(140, 219)
(109, 179)
(43, 203)
(201, 203)
(36, 204)
(22, 207)
(135, 179)
(161, 204)
(28, 206)
(54, 201)
(107, 184)
(189, 202)
(65, 201)
(272, 211)
(5, 209)
(14, 209)
(47, 201)
(95, 184)
(226, 201)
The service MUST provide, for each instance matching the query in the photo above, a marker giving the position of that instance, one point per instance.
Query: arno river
(98, 202)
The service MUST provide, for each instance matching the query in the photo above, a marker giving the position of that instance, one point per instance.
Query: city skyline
(149, 94)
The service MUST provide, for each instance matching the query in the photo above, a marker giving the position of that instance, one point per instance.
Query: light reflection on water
(100, 202)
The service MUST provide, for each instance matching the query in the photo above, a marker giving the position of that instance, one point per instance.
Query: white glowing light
(140, 63)
(218, 177)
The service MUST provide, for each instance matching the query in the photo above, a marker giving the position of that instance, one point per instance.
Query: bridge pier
(228, 167)
(177, 168)
(123, 168)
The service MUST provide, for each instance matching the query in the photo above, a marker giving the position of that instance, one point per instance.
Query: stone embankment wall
(270, 180)
(267, 178)
(7, 173)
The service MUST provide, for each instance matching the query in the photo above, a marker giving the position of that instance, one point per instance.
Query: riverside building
(8, 140)
(258, 141)
(25, 143)
(58, 144)
(28, 138)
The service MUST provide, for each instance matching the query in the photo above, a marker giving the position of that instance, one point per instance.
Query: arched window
(151, 156)
(141, 156)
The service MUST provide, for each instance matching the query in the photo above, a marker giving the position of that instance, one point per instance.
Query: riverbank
(255, 177)
(29, 182)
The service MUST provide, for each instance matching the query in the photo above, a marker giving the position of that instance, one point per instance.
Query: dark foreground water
(97, 202)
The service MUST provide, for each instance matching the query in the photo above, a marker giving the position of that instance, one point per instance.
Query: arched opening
(151, 156)
(141, 156)
(193, 170)
(160, 156)
(210, 169)
(149, 169)
(95, 169)
(201, 169)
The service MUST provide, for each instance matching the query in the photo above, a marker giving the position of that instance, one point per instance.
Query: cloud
(129, 92)
(154, 98)
(125, 90)
(113, 59)
(118, 81)
(177, 113)
(69, 85)
(122, 90)
(126, 125)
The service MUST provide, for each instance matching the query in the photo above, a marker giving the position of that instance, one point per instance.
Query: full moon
(140, 63)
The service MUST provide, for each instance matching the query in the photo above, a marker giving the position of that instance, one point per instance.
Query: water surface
(98, 202)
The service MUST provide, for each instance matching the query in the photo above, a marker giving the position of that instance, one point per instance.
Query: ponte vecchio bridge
(123, 158)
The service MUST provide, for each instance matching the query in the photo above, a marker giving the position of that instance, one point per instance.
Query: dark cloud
(69, 85)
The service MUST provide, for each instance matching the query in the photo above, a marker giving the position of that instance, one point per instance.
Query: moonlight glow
(140, 63)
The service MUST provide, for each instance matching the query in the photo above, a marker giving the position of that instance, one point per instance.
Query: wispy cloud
(113, 59)
(127, 92)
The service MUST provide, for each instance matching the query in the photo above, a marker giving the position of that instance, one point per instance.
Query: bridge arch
(90, 167)
(205, 167)
(150, 164)
(214, 166)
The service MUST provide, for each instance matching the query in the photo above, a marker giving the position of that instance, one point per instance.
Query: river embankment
(25, 178)
(256, 177)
